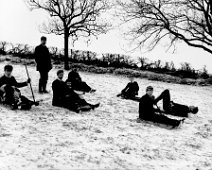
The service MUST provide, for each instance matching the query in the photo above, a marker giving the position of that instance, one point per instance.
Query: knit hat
(8, 67)
(43, 38)
(60, 71)
(149, 88)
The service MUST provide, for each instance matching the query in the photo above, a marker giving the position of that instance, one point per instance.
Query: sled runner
(135, 98)
(160, 124)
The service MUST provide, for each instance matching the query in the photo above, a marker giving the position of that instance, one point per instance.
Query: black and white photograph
(105, 85)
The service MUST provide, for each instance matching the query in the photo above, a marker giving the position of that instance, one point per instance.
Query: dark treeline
(107, 60)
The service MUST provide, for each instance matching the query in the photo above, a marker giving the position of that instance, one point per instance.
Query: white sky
(19, 25)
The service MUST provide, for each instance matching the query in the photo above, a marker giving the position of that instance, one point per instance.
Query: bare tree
(204, 73)
(186, 66)
(158, 64)
(72, 18)
(144, 63)
(3, 47)
(187, 20)
(172, 66)
(167, 66)
(53, 51)
(16, 49)
(21, 50)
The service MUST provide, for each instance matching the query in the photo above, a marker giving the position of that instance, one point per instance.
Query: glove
(28, 81)
(69, 84)
(153, 97)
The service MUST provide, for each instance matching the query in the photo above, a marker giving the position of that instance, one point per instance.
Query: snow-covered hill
(108, 138)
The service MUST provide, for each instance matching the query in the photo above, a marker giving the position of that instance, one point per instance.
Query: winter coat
(42, 59)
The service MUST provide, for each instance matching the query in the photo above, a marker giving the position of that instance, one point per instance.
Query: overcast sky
(19, 25)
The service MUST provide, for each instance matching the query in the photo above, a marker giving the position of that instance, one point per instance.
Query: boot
(95, 106)
(44, 88)
(178, 123)
(40, 87)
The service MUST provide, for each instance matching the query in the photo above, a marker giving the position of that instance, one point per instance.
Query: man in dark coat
(130, 91)
(173, 108)
(149, 113)
(43, 61)
(75, 81)
(9, 92)
(64, 96)
(8, 79)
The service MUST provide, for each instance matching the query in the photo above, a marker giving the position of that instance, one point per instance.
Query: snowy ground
(108, 138)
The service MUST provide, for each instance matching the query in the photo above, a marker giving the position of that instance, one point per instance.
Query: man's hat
(43, 38)
(149, 88)
(193, 109)
(8, 67)
(60, 71)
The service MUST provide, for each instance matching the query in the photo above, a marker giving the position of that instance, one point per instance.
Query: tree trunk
(66, 44)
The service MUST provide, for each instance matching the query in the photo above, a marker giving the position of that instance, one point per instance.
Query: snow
(53, 138)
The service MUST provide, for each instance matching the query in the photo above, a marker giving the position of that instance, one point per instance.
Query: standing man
(43, 62)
